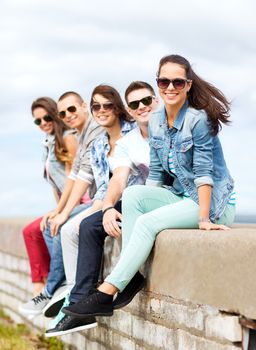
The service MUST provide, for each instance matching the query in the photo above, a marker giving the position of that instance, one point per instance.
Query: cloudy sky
(49, 47)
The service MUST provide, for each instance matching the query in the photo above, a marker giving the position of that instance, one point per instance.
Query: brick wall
(152, 321)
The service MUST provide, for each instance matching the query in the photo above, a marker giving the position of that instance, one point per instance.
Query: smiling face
(74, 117)
(47, 127)
(103, 111)
(142, 113)
(171, 96)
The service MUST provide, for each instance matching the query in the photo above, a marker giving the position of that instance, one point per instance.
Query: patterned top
(99, 160)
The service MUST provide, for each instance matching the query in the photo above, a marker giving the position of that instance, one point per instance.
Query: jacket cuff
(203, 180)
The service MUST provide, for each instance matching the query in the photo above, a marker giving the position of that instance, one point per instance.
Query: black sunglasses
(96, 107)
(177, 83)
(145, 100)
(71, 109)
(46, 118)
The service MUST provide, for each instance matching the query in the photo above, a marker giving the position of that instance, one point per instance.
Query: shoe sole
(70, 313)
(126, 302)
(26, 313)
(76, 329)
(53, 310)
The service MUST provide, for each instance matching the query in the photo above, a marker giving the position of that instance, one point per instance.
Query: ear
(189, 85)
(85, 106)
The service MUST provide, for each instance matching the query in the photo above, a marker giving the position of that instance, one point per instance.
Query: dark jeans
(90, 252)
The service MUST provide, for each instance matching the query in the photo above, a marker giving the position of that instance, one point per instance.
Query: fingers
(112, 229)
(211, 226)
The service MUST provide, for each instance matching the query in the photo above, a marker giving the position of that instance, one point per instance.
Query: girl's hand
(211, 226)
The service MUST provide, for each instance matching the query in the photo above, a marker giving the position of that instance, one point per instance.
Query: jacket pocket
(156, 143)
(184, 146)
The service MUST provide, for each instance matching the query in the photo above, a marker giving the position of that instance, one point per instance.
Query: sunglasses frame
(47, 118)
(136, 103)
(70, 109)
(174, 82)
(108, 106)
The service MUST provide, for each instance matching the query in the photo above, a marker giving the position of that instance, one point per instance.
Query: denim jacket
(56, 169)
(197, 156)
(99, 160)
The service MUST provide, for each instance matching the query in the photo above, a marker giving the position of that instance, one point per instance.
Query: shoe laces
(39, 298)
(61, 314)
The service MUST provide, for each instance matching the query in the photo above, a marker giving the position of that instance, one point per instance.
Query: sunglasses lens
(163, 83)
(147, 100)
(178, 84)
(47, 118)
(37, 121)
(134, 104)
(96, 107)
(71, 109)
(62, 114)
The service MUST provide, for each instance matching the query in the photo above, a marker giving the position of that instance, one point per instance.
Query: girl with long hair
(60, 147)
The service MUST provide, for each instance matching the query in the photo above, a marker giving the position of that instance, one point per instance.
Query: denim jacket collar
(178, 121)
(125, 127)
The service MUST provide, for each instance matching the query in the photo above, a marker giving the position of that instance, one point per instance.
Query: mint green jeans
(146, 211)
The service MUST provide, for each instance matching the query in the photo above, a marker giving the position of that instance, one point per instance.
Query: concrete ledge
(198, 283)
(216, 268)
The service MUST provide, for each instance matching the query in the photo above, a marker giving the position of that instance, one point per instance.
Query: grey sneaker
(35, 305)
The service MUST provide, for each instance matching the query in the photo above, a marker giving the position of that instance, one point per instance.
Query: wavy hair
(59, 127)
(202, 95)
(113, 96)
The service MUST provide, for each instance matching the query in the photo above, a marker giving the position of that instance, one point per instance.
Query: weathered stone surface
(207, 267)
(177, 310)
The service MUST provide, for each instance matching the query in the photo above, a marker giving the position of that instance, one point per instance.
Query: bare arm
(116, 186)
(71, 144)
(204, 194)
(78, 190)
(62, 202)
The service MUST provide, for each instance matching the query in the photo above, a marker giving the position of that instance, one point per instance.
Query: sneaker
(35, 305)
(70, 324)
(95, 304)
(126, 296)
(60, 315)
(57, 300)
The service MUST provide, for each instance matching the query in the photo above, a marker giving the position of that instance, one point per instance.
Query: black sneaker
(96, 304)
(70, 324)
(126, 296)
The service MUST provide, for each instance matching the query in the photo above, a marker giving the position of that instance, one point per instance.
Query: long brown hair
(59, 127)
(202, 95)
(113, 96)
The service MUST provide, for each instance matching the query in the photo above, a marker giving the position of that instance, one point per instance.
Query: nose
(141, 105)
(170, 86)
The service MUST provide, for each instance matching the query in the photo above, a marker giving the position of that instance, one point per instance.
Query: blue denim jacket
(197, 155)
(56, 169)
(99, 160)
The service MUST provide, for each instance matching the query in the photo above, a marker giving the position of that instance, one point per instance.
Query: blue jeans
(56, 274)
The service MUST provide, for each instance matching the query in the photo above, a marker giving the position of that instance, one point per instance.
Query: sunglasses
(145, 100)
(177, 83)
(70, 109)
(96, 107)
(46, 118)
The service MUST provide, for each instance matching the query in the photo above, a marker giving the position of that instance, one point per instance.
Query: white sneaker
(53, 307)
(34, 306)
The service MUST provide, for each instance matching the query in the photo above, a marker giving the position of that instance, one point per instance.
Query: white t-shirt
(132, 151)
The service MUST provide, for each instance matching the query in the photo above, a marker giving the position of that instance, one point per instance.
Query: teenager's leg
(38, 254)
(90, 249)
(56, 274)
(69, 242)
(138, 200)
(176, 213)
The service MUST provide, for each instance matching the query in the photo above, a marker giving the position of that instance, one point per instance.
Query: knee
(133, 195)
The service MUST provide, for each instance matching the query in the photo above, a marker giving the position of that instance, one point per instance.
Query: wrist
(204, 219)
(104, 210)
